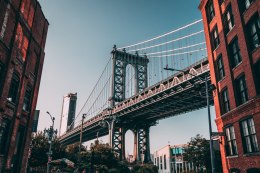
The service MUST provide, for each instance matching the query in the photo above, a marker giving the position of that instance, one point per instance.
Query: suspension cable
(178, 39)
(176, 30)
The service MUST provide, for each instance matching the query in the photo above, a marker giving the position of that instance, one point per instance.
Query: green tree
(198, 152)
(146, 168)
(40, 147)
(101, 158)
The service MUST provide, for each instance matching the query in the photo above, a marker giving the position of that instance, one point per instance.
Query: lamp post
(212, 156)
(80, 140)
(50, 133)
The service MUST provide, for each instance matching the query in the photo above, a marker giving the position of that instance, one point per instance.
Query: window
(249, 136)
(225, 101)
(253, 28)
(4, 135)
(158, 162)
(1, 74)
(241, 90)
(253, 170)
(234, 170)
(245, 4)
(164, 160)
(256, 76)
(220, 66)
(220, 1)
(13, 91)
(234, 51)
(27, 9)
(6, 16)
(27, 99)
(228, 20)
(231, 145)
(22, 43)
(215, 37)
(161, 163)
(210, 10)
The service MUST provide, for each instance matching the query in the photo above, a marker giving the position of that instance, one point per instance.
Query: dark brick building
(23, 31)
(232, 30)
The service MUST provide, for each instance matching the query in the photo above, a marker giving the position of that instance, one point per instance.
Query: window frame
(241, 90)
(225, 101)
(27, 98)
(220, 67)
(4, 130)
(247, 139)
(229, 21)
(235, 56)
(215, 37)
(14, 88)
(210, 11)
(164, 161)
(1, 75)
(161, 164)
(231, 144)
(254, 21)
(244, 5)
(256, 76)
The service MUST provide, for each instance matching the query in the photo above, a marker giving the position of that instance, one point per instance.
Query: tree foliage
(101, 158)
(40, 147)
(198, 152)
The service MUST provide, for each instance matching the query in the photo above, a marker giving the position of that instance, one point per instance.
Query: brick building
(23, 30)
(232, 30)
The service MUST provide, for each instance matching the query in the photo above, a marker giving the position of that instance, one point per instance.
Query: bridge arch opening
(130, 81)
(129, 146)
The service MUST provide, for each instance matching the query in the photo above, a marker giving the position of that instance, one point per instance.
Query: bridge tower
(120, 60)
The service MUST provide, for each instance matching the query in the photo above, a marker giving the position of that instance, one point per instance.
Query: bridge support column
(143, 147)
(135, 145)
(118, 142)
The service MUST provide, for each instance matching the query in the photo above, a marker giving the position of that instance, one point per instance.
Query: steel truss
(120, 61)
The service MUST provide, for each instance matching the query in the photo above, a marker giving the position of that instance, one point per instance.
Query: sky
(79, 41)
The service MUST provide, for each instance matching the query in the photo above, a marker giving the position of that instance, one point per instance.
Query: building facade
(232, 30)
(23, 31)
(169, 159)
(68, 113)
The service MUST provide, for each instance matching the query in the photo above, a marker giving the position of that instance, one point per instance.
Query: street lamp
(50, 133)
(212, 156)
(80, 140)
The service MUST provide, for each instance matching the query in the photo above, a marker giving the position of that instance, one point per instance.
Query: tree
(40, 147)
(101, 158)
(198, 152)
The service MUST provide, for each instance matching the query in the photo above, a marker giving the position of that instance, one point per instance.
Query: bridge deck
(173, 96)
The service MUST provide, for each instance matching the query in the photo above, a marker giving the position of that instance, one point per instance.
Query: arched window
(253, 170)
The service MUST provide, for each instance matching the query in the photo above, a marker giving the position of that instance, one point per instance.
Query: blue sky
(80, 37)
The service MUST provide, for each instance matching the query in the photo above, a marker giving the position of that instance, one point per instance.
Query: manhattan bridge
(134, 91)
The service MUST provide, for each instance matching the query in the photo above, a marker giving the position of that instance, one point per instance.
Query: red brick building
(23, 31)
(232, 30)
